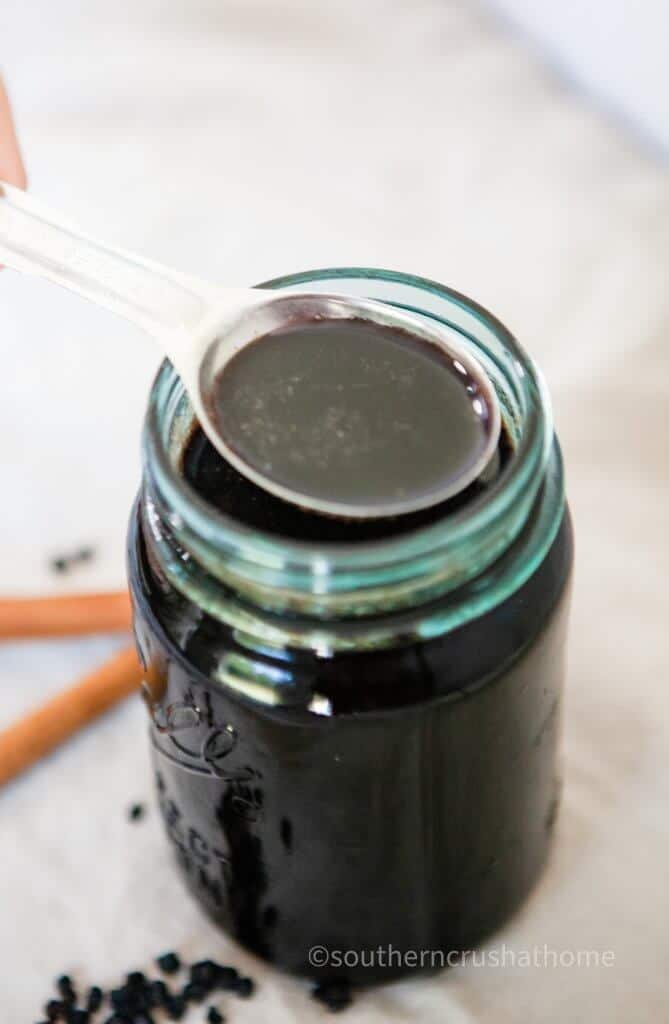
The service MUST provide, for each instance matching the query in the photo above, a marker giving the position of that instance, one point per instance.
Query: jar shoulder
(412, 669)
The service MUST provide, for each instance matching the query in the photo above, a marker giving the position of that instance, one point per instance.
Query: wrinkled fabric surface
(240, 139)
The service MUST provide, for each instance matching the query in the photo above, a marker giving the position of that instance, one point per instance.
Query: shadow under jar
(355, 737)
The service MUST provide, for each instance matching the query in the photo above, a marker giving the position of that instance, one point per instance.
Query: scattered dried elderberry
(175, 1007)
(205, 973)
(77, 1016)
(134, 998)
(94, 1001)
(335, 995)
(158, 993)
(169, 963)
(65, 561)
(134, 1001)
(136, 812)
(244, 988)
(193, 993)
(66, 989)
(227, 979)
(118, 997)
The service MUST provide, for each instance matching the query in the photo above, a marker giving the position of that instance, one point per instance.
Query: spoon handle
(160, 300)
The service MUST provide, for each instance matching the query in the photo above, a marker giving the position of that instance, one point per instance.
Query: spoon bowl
(272, 314)
(201, 327)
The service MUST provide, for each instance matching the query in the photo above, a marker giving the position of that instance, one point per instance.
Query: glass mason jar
(355, 744)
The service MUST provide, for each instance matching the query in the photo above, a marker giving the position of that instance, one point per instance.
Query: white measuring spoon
(200, 326)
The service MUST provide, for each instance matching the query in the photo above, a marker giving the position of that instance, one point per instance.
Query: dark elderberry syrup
(355, 723)
(219, 483)
(354, 413)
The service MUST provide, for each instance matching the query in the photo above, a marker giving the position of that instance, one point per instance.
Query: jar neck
(215, 560)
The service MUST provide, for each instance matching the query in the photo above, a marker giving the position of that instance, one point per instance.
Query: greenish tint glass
(356, 745)
(361, 596)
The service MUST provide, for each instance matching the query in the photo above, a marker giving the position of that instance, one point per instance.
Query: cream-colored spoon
(200, 326)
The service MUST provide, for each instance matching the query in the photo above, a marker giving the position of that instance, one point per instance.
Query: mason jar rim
(442, 554)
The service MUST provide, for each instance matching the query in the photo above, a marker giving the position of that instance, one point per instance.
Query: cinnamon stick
(65, 615)
(43, 729)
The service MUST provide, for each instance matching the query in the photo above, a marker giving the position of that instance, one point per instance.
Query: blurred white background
(240, 139)
(615, 49)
